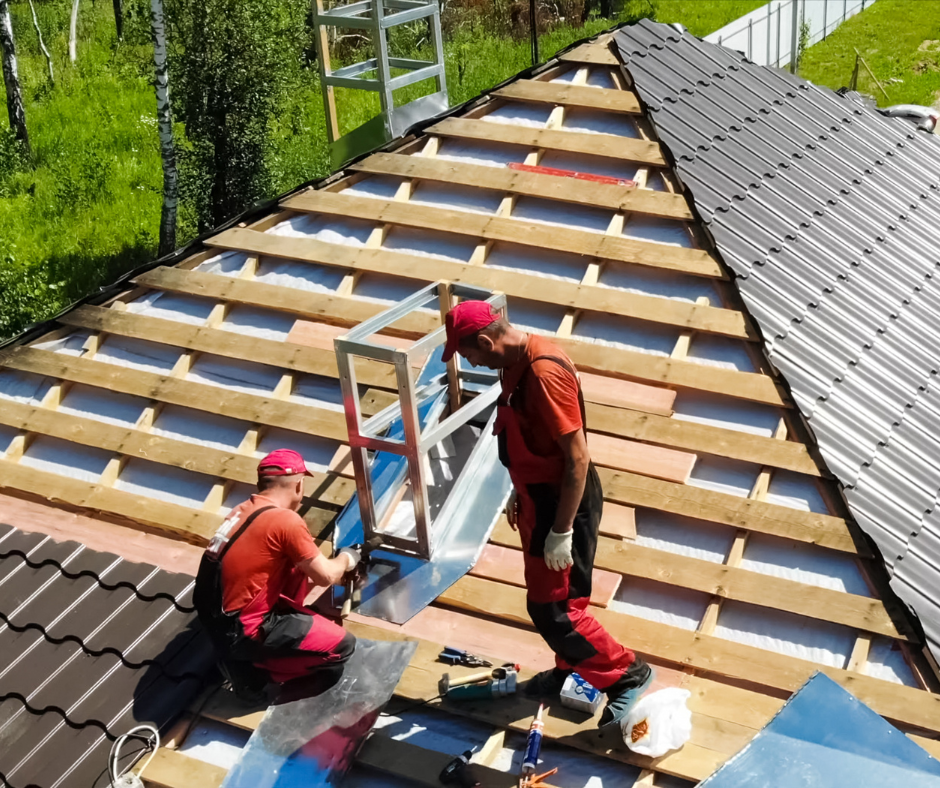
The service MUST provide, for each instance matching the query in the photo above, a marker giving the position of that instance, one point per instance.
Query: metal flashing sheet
(824, 737)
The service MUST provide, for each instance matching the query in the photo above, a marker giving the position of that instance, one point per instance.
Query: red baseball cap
(283, 462)
(465, 319)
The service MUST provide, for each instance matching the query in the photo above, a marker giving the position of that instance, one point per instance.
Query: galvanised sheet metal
(824, 737)
(91, 645)
(828, 213)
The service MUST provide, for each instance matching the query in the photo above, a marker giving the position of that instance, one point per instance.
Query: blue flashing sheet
(824, 737)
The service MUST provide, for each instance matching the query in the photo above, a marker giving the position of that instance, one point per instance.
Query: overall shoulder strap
(565, 364)
(251, 518)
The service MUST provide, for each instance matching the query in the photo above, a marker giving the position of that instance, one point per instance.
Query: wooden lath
(604, 300)
(566, 95)
(589, 357)
(497, 228)
(532, 184)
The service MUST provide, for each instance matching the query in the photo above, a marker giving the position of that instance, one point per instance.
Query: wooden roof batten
(736, 688)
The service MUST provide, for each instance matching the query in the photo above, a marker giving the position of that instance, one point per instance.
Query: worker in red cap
(253, 580)
(556, 501)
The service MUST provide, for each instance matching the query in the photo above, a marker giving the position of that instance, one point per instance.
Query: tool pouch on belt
(225, 629)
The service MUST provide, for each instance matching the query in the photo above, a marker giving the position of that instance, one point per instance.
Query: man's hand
(558, 550)
(512, 511)
(353, 557)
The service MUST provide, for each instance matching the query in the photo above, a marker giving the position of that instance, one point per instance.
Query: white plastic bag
(659, 722)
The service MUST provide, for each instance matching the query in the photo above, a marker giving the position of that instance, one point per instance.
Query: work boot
(546, 684)
(625, 693)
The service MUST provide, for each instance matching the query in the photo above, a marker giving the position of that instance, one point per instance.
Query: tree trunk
(11, 78)
(73, 31)
(165, 129)
(118, 19)
(42, 44)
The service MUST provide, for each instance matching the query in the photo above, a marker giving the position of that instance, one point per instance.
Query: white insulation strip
(103, 405)
(238, 493)
(7, 434)
(215, 742)
(541, 262)
(23, 386)
(566, 77)
(637, 279)
(601, 78)
(225, 264)
(616, 331)
(589, 121)
(886, 661)
(382, 186)
(719, 411)
(138, 354)
(200, 427)
(805, 563)
(662, 231)
(796, 491)
(171, 306)
(165, 483)
(678, 607)
(332, 229)
(786, 633)
(721, 352)
(299, 276)
(430, 243)
(723, 475)
(71, 345)
(581, 217)
(257, 322)
(316, 451)
(319, 391)
(535, 315)
(65, 458)
(234, 374)
(490, 154)
(386, 288)
(463, 198)
(683, 535)
(520, 114)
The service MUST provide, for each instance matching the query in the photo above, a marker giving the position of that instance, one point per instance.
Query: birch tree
(42, 44)
(165, 129)
(73, 32)
(11, 78)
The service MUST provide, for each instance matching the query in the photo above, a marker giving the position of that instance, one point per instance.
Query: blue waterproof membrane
(824, 737)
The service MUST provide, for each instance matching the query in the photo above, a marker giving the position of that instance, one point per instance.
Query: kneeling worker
(256, 574)
(556, 501)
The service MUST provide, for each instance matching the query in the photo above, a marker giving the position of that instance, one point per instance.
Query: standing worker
(255, 575)
(556, 502)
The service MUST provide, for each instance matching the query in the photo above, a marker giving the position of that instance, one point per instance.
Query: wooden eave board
(614, 555)
(566, 95)
(597, 53)
(532, 184)
(609, 145)
(589, 357)
(541, 235)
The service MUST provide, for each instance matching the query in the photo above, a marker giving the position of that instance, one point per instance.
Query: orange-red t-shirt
(265, 556)
(548, 406)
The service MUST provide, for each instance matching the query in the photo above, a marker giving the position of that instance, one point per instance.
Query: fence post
(769, 28)
(750, 39)
(795, 33)
(845, 10)
(825, 18)
(777, 60)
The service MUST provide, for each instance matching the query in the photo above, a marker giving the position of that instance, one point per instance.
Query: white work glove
(558, 550)
(353, 557)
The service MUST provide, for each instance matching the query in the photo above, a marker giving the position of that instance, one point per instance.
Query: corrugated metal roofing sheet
(828, 213)
(92, 645)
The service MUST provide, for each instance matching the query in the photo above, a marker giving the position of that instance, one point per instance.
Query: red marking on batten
(581, 176)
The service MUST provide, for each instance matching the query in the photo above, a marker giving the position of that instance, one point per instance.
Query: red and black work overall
(558, 601)
(274, 631)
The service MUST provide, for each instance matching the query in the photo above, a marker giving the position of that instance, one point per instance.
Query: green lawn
(900, 41)
(88, 207)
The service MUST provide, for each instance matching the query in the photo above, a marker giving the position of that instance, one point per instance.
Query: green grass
(88, 207)
(900, 41)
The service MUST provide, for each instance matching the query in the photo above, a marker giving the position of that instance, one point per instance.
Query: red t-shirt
(265, 556)
(548, 406)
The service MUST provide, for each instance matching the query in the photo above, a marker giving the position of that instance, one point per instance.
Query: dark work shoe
(546, 684)
(620, 701)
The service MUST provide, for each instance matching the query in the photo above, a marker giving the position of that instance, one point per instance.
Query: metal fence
(770, 35)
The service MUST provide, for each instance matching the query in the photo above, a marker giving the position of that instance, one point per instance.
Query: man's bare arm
(324, 571)
(577, 461)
